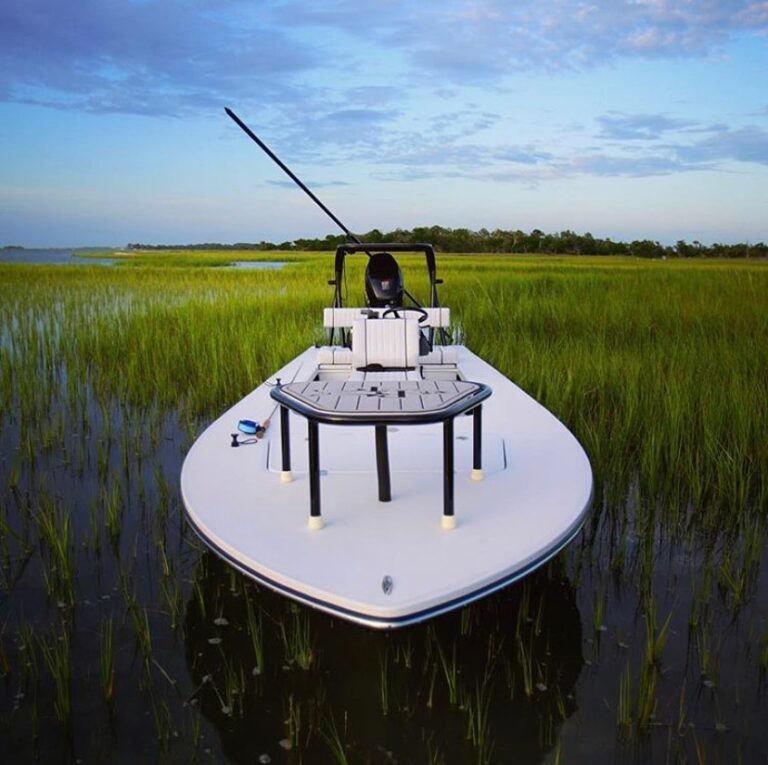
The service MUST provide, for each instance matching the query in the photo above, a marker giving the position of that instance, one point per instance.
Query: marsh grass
(297, 639)
(384, 681)
(107, 660)
(108, 374)
(255, 629)
(450, 671)
(56, 653)
(55, 528)
(335, 742)
(478, 718)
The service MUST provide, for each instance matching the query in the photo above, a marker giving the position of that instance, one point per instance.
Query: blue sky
(625, 118)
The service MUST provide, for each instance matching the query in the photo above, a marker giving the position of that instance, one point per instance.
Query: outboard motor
(383, 281)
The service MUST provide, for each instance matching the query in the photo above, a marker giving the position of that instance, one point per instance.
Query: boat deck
(533, 499)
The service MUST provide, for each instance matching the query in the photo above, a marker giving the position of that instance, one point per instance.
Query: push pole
(289, 173)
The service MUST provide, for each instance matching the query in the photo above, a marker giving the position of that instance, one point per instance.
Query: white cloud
(169, 56)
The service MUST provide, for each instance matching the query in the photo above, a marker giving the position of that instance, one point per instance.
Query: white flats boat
(399, 477)
(370, 495)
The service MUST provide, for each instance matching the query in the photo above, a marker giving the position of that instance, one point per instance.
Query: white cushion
(341, 317)
(346, 317)
(389, 342)
(336, 355)
(409, 374)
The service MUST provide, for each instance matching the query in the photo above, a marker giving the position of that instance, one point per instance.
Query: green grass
(191, 258)
(107, 373)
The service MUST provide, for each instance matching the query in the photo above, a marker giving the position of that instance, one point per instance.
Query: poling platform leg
(285, 446)
(477, 443)
(448, 521)
(315, 518)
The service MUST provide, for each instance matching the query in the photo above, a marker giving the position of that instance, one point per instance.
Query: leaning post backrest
(389, 343)
(344, 318)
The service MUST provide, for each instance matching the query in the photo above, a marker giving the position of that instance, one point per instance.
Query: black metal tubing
(380, 420)
(477, 438)
(460, 406)
(350, 249)
(448, 467)
(314, 469)
(382, 464)
(285, 438)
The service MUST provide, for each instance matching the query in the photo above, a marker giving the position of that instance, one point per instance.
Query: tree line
(465, 240)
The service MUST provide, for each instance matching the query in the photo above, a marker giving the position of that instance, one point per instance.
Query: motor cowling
(383, 281)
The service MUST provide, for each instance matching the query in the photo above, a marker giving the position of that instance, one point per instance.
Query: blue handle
(249, 427)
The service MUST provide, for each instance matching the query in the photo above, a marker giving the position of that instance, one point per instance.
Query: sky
(624, 118)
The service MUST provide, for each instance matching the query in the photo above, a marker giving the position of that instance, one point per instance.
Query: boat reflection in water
(492, 682)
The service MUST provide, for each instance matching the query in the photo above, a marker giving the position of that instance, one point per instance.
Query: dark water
(203, 689)
(388, 695)
(205, 665)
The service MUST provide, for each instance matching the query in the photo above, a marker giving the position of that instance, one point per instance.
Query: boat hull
(532, 500)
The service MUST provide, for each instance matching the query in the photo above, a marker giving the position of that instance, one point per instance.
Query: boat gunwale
(411, 618)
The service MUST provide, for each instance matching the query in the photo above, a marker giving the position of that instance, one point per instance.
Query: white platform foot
(477, 474)
(448, 522)
(286, 476)
(315, 522)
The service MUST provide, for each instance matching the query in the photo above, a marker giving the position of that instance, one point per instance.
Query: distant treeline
(464, 240)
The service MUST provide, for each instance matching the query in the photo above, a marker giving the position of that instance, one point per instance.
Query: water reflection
(490, 683)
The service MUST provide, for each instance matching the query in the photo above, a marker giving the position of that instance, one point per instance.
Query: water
(263, 265)
(53, 256)
(69, 256)
(235, 672)
(228, 671)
